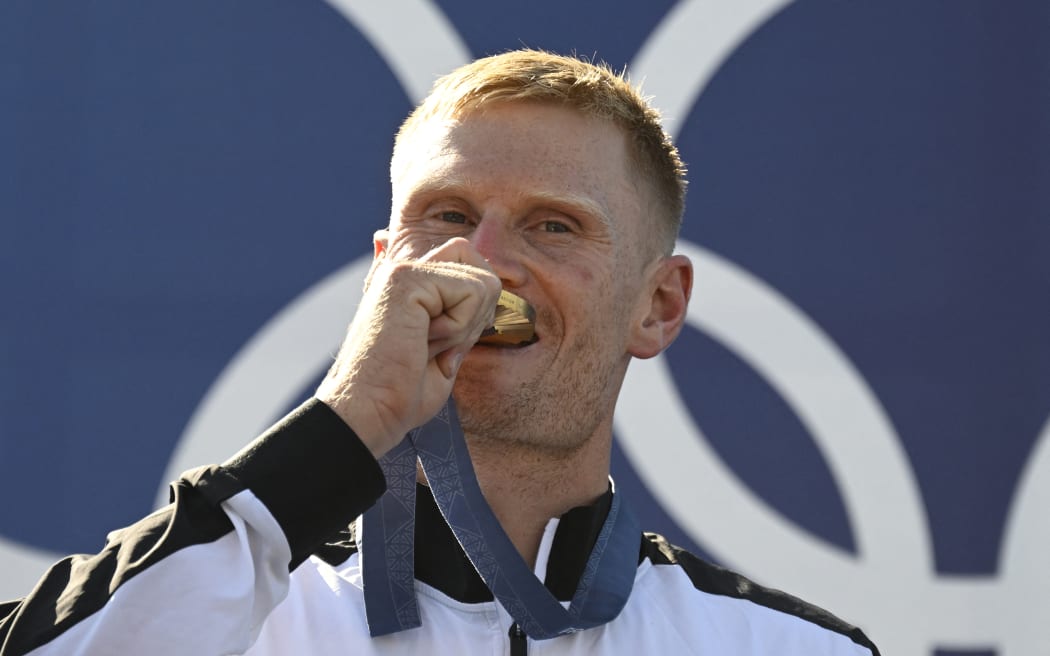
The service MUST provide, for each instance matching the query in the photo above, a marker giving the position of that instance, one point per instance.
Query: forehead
(523, 149)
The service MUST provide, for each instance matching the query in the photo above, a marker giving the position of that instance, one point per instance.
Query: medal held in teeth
(514, 323)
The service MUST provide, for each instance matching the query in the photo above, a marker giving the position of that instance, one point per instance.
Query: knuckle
(394, 273)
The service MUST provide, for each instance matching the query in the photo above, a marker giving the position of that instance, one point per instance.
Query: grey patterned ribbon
(387, 547)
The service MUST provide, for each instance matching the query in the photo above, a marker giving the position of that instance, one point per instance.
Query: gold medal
(514, 323)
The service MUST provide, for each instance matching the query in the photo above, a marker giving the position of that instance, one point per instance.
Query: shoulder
(735, 598)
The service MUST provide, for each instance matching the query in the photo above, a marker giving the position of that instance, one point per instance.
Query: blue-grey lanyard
(388, 543)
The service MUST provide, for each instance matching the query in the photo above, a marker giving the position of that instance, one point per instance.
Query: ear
(662, 306)
(380, 242)
(380, 245)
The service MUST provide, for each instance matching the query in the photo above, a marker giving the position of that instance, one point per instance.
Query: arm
(200, 575)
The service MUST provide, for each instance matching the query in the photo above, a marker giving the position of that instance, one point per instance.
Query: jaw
(496, 365)
(499, 373)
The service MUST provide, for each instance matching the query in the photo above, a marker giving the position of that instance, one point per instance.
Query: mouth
(507, 340)
(514, 325)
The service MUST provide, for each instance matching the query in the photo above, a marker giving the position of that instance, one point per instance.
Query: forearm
(200, 575)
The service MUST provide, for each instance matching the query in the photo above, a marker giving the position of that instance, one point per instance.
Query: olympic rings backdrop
(858, 410)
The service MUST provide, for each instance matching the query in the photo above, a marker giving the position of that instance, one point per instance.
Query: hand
(416, 322)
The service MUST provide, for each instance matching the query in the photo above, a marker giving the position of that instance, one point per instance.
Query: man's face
(546, 195)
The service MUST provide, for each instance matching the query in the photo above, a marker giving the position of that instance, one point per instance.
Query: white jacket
(239, 563)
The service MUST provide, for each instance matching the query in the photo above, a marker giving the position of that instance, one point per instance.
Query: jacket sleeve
(200, 575)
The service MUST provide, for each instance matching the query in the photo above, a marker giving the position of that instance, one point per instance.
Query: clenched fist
(416, 322)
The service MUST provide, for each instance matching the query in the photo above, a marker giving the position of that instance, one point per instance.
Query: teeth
(514, 323)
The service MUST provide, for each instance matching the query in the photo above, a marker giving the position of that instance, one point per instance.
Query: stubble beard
(555, 412)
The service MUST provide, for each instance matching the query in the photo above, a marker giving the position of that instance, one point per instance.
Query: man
(540, 175)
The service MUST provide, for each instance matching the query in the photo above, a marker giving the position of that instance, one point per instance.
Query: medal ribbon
(388, 543)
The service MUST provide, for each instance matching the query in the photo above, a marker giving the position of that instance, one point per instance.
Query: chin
(482, 396)
(490, 405)
(478, 380)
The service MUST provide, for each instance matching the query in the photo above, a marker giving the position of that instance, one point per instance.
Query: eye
(453, 217)
(555, 226)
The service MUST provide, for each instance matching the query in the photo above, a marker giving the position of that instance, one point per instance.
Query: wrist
(366, 424)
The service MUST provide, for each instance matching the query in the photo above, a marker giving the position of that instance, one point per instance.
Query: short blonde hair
(594, 89)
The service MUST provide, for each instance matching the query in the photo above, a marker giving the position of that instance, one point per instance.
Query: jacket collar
(441, 563)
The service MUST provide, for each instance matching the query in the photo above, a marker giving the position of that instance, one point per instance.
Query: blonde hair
(591, 88)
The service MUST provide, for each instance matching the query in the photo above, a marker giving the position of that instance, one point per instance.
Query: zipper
(519, 645)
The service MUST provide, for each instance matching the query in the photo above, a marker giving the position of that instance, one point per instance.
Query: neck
(526, 486)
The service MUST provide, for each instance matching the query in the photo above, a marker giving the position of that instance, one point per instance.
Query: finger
(458, 250)
(448, 362)
(462, 297)
(447, 334)
(461, 324)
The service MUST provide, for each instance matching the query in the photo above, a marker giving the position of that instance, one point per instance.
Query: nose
(497, 243)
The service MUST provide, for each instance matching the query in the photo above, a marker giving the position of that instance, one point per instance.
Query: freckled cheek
(589, 271)
(572, 262)
(579, 290)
